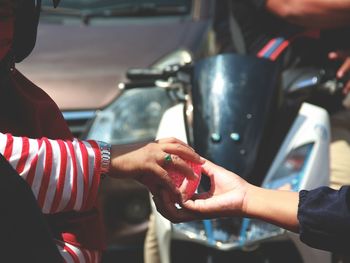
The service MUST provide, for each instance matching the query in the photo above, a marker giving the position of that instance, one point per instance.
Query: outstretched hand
(230, 195)
(225, 198)
(149, 165)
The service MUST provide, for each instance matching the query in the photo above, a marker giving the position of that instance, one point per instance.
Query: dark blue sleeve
(324, 218)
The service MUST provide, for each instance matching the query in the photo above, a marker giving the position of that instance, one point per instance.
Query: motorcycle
(268, 125)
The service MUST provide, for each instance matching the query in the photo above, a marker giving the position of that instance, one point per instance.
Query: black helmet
(27, 15)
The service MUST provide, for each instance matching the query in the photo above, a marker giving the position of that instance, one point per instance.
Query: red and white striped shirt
(63, 175)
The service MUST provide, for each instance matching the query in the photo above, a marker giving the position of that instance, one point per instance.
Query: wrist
(119, 165)
(273, 206)
(247, 200)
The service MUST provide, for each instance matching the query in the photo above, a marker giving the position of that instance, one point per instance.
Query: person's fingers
(346, 88)
(344, 69)
(338, 54)
(333, 55)
(182, 167)
(162, 180)
(178, 147)
(182, 151)
(174, 140)
(210, 168)
(168, 209)
(203, 208)
(196, 204)
(205, 195)
(161, 208)
(167, 183)
(174, 162)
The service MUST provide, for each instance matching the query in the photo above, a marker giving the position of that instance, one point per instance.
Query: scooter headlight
(133, 117)
(290, 171)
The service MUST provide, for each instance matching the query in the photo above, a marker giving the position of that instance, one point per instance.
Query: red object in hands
(189, 186)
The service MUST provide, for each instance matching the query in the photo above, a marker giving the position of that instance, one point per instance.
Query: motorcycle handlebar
(313, 79)
(136, 74)
(136, 84)
(144, 74)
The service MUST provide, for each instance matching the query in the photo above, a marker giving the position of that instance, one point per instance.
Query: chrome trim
(78, 115)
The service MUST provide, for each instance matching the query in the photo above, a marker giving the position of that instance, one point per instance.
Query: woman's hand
(225, 198)
(148, 164)
(344, 68)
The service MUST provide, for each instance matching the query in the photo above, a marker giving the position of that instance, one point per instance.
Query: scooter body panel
(172, 124)
(311, 126)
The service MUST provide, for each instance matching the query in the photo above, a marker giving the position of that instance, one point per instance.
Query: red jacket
(64, 173)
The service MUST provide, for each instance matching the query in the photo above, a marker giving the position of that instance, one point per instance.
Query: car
(83, 51)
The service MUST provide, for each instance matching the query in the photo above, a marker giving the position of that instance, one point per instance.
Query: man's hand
(320, 14)
(344, 68)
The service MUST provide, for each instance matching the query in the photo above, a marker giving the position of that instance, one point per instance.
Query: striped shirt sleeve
(74, 254)
(63, 175)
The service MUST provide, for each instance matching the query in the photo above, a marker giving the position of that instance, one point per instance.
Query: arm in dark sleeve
(324, 218)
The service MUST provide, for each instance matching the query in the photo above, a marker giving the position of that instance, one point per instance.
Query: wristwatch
(105, 149)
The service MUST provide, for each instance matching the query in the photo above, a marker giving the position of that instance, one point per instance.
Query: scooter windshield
(233, 98)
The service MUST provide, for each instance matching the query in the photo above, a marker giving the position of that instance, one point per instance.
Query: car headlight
(133, 117)
(287, 176)
(180, 57)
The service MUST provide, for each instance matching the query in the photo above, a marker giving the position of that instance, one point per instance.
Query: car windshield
(102, 8)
